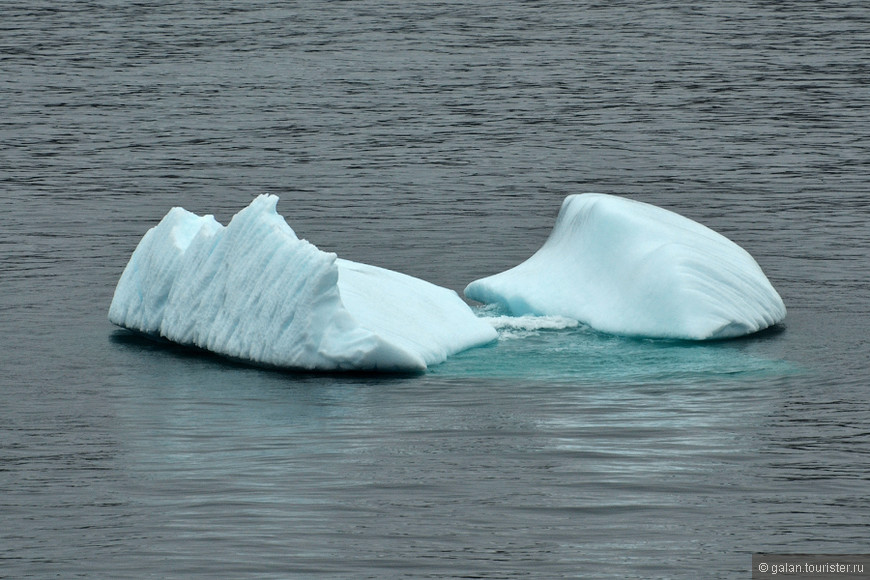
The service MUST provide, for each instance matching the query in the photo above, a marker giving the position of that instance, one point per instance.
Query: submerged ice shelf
(254, 291)
(547, 350)
(629, 268)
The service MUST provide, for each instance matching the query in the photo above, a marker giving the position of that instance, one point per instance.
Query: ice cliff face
(630, 268)
(254, 291)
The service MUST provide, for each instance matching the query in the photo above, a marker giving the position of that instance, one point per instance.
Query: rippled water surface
(437, 139)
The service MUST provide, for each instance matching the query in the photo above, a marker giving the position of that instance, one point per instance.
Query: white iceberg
(254, 291)
(629, 268)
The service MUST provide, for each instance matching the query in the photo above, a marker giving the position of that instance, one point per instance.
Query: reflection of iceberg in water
(558, 349)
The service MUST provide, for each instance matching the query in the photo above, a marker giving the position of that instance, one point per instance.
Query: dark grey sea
(435, 138)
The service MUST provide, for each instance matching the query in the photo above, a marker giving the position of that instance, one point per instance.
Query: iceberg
(629, 268)
(254, 291)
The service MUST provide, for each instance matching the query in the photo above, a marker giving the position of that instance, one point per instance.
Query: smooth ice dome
(254, 291)
(630, 268)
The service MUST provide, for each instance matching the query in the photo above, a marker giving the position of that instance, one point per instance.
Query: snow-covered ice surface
(254, 291)
(629, 268)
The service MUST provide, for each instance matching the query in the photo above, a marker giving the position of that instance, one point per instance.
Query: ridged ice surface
(630, 268)
(254, 291)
